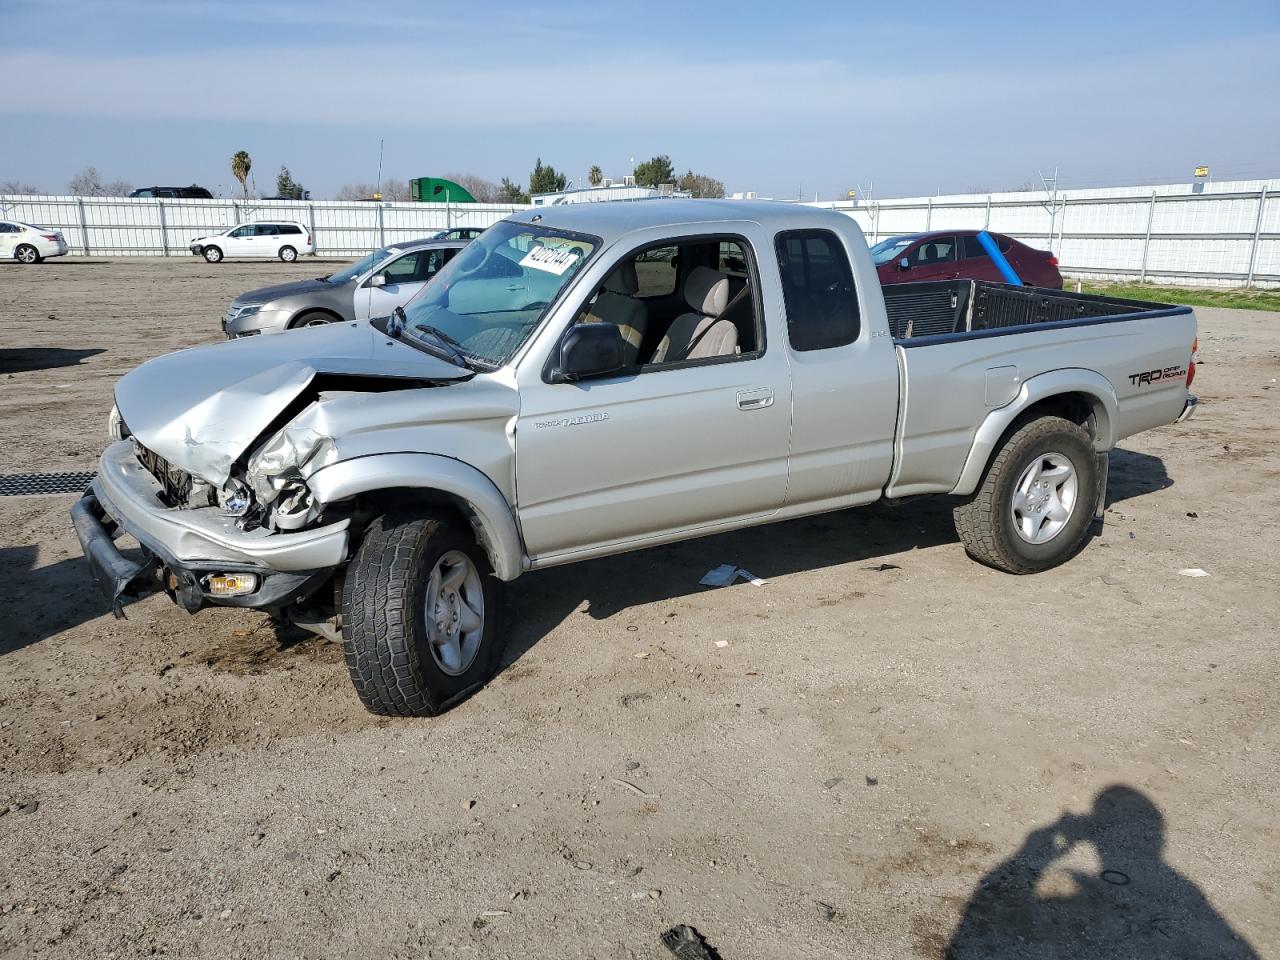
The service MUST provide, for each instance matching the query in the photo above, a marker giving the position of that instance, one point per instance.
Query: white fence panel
(1219, 233)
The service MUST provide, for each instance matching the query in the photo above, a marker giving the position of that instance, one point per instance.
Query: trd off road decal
(1149, 377)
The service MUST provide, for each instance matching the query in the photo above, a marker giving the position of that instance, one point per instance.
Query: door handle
(756, 399)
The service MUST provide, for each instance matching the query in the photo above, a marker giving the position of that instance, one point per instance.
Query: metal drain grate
(34, 484)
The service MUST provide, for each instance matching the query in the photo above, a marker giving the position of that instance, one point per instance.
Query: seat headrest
(623, 280)
(707, 291)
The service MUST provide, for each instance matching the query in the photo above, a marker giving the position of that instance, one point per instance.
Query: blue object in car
(1002, 264)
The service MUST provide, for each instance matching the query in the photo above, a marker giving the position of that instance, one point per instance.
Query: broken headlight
(235, 498)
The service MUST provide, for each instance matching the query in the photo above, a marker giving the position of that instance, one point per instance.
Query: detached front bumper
(182, 548)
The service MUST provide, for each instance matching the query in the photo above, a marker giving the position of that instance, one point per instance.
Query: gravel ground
(897, 749)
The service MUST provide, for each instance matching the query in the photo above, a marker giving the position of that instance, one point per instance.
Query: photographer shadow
(1135, 905)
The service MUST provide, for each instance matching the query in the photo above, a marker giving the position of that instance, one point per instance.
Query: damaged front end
(208, 470)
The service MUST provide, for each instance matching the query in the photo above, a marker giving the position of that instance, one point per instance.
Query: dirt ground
(875, 765)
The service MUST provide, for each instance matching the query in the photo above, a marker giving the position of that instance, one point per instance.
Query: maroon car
(957, 255)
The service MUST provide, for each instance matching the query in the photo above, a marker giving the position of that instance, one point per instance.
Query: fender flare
(1094, 386)
(486, 507)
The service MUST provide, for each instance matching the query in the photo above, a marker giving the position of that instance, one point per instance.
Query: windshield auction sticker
(552, 259)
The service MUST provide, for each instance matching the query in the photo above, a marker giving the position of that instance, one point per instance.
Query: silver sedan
(371, 287)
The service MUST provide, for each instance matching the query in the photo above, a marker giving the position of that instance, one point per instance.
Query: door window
(429, 261)
(972, 248)
(242, 232)
(656, 272)
(933, 251)
(403, 270)
(8, 228)
(818, 290)
(267, 230)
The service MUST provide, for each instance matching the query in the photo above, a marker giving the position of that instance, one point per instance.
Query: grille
(35, 484)
(176, 482)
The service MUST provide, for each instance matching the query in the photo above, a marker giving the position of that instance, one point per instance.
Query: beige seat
(702, 333)
(615, 304)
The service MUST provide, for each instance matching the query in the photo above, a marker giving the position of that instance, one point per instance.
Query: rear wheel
(26, 253)
(288, 254)
(212, 254)
(1033, 508)
(420, 613)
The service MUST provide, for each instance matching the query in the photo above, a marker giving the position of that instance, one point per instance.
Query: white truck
(589, 379)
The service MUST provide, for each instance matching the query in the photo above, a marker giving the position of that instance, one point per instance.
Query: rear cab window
(818, 290)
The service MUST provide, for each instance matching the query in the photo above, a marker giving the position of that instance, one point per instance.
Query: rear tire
(420, 615)
(288, 254)
(1034, 505)
(26, 253)
(212, 254)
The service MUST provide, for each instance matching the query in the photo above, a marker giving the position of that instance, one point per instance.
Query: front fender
(489, 511)
(1055, 383)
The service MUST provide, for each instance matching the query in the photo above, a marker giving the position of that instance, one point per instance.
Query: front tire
(1033, 508)
(288, 254)
(26, 253)
(420, 615)
(212, 254)
(313, 318)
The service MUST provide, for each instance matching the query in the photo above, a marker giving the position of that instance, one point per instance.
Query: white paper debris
(720, 576)
(751, 578)
(1194, 572)
(722, 643)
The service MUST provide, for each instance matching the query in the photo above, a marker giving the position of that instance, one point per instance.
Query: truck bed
(917, 310)
(968, 348)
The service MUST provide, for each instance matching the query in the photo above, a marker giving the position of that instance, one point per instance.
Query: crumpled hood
(292, 289)
(202, 408)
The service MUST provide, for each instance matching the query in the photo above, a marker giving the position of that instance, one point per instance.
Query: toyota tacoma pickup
(590, 379)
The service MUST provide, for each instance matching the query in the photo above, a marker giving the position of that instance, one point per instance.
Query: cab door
(8, 238)
(660, 449)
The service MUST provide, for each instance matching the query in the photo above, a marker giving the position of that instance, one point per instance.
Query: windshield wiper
(441, 345)
(450, 346)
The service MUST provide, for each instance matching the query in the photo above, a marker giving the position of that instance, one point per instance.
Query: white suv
(28, 243)
(266, 239)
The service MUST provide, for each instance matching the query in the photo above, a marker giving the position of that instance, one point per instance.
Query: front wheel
(212, 254)
(26, 253)
(1033, 508)
(288, 254)
(420, 615)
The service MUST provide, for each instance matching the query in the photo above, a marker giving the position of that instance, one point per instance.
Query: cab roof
(616, 218)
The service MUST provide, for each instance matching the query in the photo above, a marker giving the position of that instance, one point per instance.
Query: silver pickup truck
(589, 379)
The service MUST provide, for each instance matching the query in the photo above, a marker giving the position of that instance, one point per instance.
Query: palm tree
(595, 175)
(241, 163)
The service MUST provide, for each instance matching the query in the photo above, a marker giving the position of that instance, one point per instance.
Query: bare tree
(485, 191)
(395, 190)
(700, 185)
(19, 188)
(89, 183)
(355, 191)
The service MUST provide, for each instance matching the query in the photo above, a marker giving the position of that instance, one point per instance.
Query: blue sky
(782, 98)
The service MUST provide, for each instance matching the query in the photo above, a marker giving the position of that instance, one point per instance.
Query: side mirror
(589, 350)
(378, 280)
(904, 264)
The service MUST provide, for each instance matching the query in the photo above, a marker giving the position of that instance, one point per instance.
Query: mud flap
(1104, 465)
(114, 574)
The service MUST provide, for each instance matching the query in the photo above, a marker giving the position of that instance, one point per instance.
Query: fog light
(231, 584)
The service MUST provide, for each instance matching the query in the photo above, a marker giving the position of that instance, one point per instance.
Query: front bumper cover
(187, 545)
